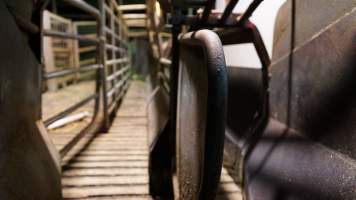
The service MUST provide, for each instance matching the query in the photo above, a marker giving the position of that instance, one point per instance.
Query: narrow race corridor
(115, 164)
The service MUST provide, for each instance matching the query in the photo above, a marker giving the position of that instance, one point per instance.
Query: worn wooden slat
(135, 16)
(138, 34)
(104, 180)
(131, 7)
(105, 172)
(105, 191)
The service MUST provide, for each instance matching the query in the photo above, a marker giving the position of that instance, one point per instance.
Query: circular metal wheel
(201, 111)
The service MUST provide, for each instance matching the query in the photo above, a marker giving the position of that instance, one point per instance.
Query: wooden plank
(131, 7)
(105, 191)
(138, 34)
(136, 22)
(91, 35)
(87, 49)
(135, 16)
(104, 180)
(165, 34)
(87, 61)
(85, 23)
(56, 17)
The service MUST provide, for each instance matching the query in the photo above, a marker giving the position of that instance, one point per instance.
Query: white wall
(244, 55)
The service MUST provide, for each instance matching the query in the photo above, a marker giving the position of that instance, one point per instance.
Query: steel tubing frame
(111, 39)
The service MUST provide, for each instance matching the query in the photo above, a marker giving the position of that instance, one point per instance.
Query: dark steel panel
(160, 159)
(287, 165)
(27, 168)
(321, 85)
(85, 7)
(202, 95)
(245, 96)
(308, 149)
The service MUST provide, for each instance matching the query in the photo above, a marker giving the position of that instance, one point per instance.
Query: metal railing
(163, 61)
(112, 67)
(116, 56)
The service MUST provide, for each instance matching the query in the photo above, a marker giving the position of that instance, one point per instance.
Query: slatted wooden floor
(115, 164)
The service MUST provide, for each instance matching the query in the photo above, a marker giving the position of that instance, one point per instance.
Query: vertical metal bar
(228, 11)
(176, 29)
(263, 115)
(85, 7)
(251, 8)
(207, 10)
(102, 38)
(113, 52)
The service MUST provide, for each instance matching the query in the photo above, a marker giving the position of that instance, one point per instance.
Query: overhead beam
(135, 16)
(136, 23)
(131, 7)
(138, 34)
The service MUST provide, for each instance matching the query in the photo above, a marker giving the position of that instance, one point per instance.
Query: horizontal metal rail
(85, 7)
(116, 36)
(118, 97)
(117, 73)
(66, 72)
(117, 61)
(70, 109)
(117, 86)
(114, 48)
(111, 13)
(111, 32)
(50, 33)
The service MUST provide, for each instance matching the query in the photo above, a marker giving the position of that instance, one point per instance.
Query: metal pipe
(61, 73)
(117, 61)
(114, 48)
(228, 11)
(207, 10)
(50, 33)
(117, 86)
(69, 110)
(118, 97)
(117, 73)
(247, 14)
(85, 7)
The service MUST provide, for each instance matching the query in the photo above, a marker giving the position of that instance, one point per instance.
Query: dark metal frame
(211, 66)
(231, 29)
